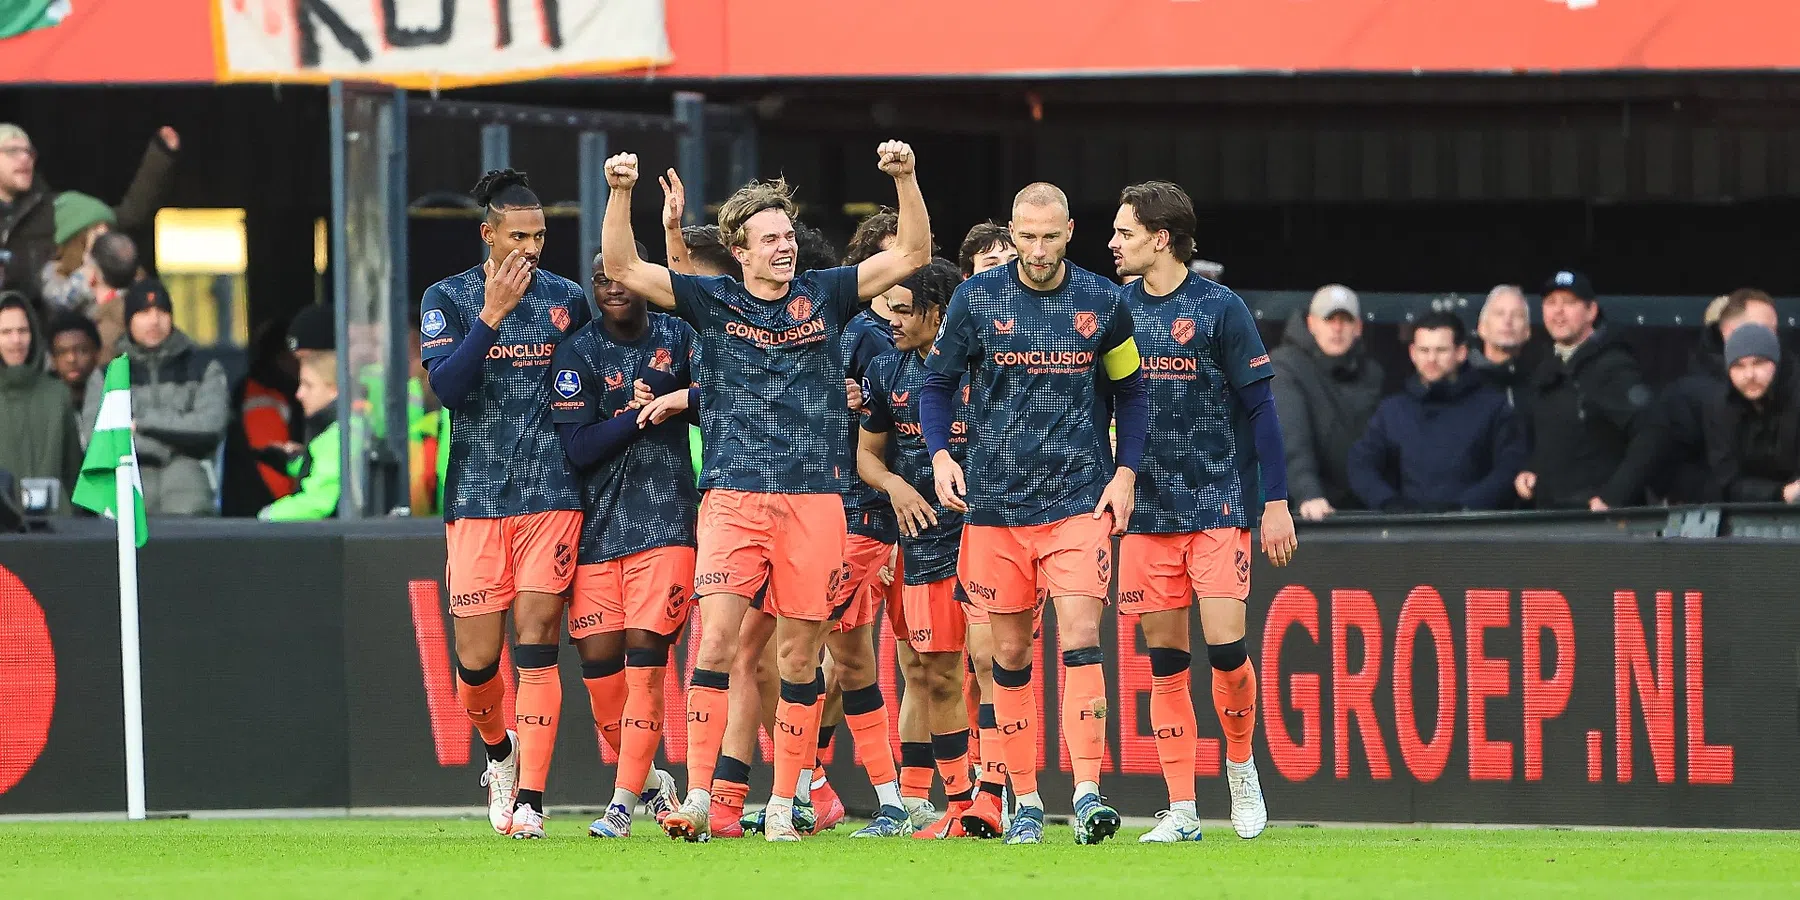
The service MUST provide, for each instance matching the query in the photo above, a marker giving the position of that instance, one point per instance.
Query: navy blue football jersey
(866, 510)
(643, 497)
(1199, 345)
(894, 380)
(772, 388)
(505, 459)
(1041, 452)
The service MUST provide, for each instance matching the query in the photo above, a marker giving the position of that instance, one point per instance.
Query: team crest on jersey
(559, 316)
(432, 323)
(662, 360)
(615, 380)
(800, 308)
(567, 383)
(1182, 330)
(1086, 323)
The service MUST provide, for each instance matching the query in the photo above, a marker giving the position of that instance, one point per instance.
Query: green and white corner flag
(97, 488)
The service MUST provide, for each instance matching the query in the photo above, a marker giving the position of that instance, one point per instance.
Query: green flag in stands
(97, 488)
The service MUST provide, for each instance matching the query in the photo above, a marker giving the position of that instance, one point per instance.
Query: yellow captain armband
(1121, 361)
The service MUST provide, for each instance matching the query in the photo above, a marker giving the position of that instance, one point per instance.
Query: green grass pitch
(461, 858)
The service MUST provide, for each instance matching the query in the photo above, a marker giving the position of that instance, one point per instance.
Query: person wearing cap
(1683, 472)
(180, 404)
(1591, 448)
(71, 279)
(1326, 389)
(1753, 426)
(27, 210)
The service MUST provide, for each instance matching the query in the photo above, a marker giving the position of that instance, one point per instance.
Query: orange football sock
(708, 706)
(1084, 717)
(606, 697)
(1234, 697)
(1016, 715)
(484, 703)
(537, 709)
(1172, 717)
(641, 730)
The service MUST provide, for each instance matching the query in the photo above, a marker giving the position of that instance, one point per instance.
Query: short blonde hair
(1042, 193)
(322, 364)
(749, 200)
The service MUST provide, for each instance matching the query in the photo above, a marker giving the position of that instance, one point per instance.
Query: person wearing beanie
(180, 404)
(71, 279)
(1592, 447)
(1683, 474)
(1753, 427)
(28, 226)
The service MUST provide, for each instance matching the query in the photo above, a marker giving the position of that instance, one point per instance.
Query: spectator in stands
(27, 218)
(1446, 442)
(1590, 447)
(265, 412)
(1684, 471)
(1504, 353)
(38, 437)
(318, 464)
(116, 256)
(74, 354)
(71, 279)
(180, 403)
(1753, 426)
(1326, 388)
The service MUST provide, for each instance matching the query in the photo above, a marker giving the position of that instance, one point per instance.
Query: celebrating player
(1044, 497)
(1214, 428)
(511, 501)
(987, 246)
(775, 464)
(634, 578)
(937, 610)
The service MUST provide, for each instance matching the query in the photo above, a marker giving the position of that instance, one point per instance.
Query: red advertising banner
(106, 40)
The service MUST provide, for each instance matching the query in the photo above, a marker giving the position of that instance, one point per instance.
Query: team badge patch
(432, 323)
(1086, 323)
(1182, 330)
(559, 316)
(662, 360)
(800, 308)
(567, 383)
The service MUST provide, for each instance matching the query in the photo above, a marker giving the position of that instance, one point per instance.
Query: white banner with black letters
(435, 43)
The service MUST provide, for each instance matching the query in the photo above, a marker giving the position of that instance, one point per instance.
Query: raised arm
(674, 204)
(912, 243)
(621, 260)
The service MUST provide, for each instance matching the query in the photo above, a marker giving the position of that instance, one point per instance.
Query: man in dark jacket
(1683, 473)
(180, 401)
(1326, 388)
(27, 217)
(1504, 354)
(1590, 449)
(1449, 437)
(1753, 426)
(38, 438)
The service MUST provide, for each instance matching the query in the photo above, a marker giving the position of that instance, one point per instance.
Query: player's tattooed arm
(619, 247)
(674, 205)
(912, 242)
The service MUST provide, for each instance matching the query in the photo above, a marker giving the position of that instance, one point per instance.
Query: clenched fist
(622, 171)
(896, 158)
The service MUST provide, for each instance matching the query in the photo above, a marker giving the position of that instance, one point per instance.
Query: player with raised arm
(634, 577)
(512, 503)
(893, 459)
(1044, 495)
(1214, 432)
(774, 474)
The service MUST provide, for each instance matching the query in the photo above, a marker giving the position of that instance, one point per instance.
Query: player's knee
(1227, 657)
(1012, 652)
(477, 676)
(1078, 634)
(944, 682)
(654, 657)
(717, 650)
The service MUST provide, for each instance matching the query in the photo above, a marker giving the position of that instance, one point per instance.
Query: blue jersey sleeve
(880, 417)
(957, 338)
(694, 299)
(441, 326)
(839, 286)
(573, 398)
(1239, 345)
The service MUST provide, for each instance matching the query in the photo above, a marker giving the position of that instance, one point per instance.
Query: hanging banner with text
(435, 43)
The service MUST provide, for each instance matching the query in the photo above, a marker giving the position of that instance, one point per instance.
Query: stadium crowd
(1503, 418)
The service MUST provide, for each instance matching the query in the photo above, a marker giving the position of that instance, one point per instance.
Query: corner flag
(110, 450)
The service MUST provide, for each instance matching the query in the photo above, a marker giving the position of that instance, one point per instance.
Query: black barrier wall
(1557, 681)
